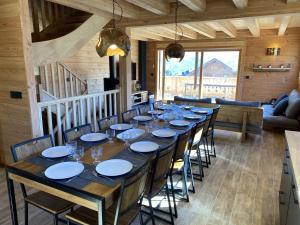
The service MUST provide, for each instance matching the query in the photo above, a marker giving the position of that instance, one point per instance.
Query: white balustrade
(74, 111)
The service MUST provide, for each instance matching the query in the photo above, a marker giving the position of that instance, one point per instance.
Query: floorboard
(240, 187)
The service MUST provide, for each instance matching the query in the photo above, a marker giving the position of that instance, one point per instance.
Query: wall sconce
(273, 51)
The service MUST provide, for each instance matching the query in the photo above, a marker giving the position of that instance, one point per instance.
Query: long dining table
(87, 189)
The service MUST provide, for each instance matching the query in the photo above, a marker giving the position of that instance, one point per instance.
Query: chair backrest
(106, 122)
(160, 168)
(214, 116)
(76, 132)
(157, 103)
(206, 124)
(144, 109)
(182, 144)
(196, 134)
(28, 148)
(128, 115)
(132, 191)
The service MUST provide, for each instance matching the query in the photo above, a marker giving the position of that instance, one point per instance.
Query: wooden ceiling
(198, 19)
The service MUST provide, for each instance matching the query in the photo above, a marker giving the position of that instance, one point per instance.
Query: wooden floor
(240, 187)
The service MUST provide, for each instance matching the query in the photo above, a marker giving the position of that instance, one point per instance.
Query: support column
(125, 79)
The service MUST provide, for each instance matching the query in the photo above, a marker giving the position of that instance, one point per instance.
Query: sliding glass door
(200, 74)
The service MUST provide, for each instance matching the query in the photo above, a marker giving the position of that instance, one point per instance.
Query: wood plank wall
(261, 86)
(15, 122)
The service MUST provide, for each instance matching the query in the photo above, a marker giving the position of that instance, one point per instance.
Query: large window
(200, 74)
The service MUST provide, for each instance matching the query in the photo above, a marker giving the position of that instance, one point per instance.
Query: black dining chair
(106, 122)
(144, 109)
(181, 165)
(211, 130)
(204, 142)
(157, 181)
(76, 132)
(125, 210)
(49, 203)
(128, 115)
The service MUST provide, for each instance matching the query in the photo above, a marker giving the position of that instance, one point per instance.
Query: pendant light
(112, 40)
(175, 50)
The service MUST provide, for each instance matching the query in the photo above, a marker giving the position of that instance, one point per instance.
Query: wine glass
(71, 146)
(96, 153)
(127, 136)
(110, 134)
(78, 153)
(134, 123)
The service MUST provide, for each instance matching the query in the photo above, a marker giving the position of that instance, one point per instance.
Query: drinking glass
(134, 123)
(96, 153)
(127, 136)
(78, 153)
(71, 146)
(110, 134)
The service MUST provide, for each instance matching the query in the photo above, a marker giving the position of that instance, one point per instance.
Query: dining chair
(181, 165)
(49, 203)
(76, 132)
(204, 141)
(157, 181)
(126, 208)
(106, 122)
(194, 145)
(144, 109)
(211, 129)
(128, 115)
(157, 103)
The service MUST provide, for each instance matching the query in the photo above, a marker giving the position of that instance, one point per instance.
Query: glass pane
(179, 76)
(219, 76)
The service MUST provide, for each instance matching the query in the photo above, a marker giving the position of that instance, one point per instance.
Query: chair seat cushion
(86, 216)
(268, 109)
(49, 203)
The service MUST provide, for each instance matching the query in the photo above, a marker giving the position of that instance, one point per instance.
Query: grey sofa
(290, 120)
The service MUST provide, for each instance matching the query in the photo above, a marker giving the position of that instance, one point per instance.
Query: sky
(230, 58)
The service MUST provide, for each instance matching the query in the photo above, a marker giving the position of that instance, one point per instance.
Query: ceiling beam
(240, 4)
(253, 26)
(146, 35)
(224, 11)
(291, 1)
(227, 28)
(181, 31)
(202, 29)
(154, 6)
(156, 31)
(103, 6)
(283, 25)
(195, 5)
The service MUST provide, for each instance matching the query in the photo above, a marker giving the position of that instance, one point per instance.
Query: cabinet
(139, 97)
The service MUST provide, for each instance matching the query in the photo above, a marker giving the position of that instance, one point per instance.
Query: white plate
(114, 167)
(164, 107)
(134, 133)
(200, 111)
(144, 146)
(192, 116)
(142, 118)
(188, 107)
(179, 123)
(64, 170)
(56, 152)
(156, 112)
(93, 137)
(121, 126)
(164, 133)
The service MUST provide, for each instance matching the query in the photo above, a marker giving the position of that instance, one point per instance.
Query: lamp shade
(174, 50)
(113, 41)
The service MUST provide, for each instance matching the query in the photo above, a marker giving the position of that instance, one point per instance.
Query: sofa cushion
(293, 109)
(197, 100)
(239, 103)
(268, 109)
(283, 96)
(280, 107)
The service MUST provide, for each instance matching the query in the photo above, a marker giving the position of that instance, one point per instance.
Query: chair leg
(169, 202)
(208, 156)
(205, 153)
(26, 212)
(213, 144)
(184, 176)
(173, 196)
(151, 211)
(55, 220)
(201, 172)
(191, 172)
(141, 215)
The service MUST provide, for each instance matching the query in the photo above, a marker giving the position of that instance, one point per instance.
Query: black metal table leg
(12, 200)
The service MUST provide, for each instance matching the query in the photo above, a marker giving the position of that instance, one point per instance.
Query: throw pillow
(281, 106)
(293, 109)
(279, 99)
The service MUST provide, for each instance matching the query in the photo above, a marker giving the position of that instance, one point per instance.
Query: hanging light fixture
(112, 40)
(175, 50)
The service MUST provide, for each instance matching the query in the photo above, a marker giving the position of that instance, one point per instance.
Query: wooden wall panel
(15, 121)
(260, 86)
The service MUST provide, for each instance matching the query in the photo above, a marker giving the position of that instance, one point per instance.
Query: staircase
(56, 81)
(51, 20)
